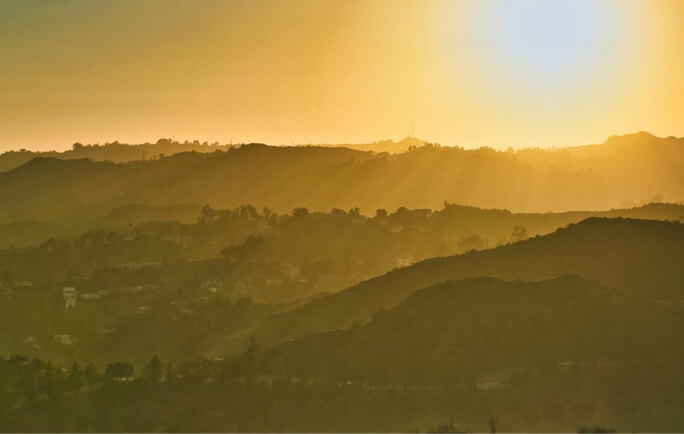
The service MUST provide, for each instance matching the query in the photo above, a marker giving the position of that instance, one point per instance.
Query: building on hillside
(293, 271)
(64, 339)
(69, 294)
(397, 229)
(213, 286)
(404, 260)
(181, 240)
(240, 287)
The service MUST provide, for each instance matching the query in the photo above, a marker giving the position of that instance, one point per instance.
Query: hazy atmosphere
(470, 74)
(342, 216)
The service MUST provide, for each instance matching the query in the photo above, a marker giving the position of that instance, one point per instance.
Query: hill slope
(459, 330)
(640, 257)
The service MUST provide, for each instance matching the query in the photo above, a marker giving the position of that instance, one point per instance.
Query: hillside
(323, 178)
(461, 330)
(638, 257)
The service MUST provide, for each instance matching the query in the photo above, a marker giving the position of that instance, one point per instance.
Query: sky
(515, 73)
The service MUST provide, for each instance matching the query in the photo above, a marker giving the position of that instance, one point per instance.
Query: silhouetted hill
(116, 152)
(639, 257)
(123, 152)
(388, 146)
(323, 178)
(461, 330)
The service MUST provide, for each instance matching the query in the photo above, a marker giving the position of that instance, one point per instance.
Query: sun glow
(549, 48)
(550, 42)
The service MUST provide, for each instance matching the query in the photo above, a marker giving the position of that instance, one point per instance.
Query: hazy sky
(499, 73)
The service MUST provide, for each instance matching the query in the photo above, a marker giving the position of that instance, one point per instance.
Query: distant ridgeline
(122, 152)
(624, 171)
(115, 151)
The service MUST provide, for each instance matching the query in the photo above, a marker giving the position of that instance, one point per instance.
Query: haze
(468, 74)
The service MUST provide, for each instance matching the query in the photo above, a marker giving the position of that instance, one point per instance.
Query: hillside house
(397, 229)
(293, 271)
(64, 339)
(404, 260)
(213, 286)
(69, 294)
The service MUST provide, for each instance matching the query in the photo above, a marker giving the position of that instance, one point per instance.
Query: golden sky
(470, 73)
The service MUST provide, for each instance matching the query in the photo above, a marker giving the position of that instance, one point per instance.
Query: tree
(75, 377)
(300, 212)
(119, 370)
(473, 242)
(208, 213)
(251, 354)
(252, 249)
(90, 375)
(519, 233)
(380, 213)
(7, 277)
(51, 382)
(493, 423)
(154, 369)
(170, 372)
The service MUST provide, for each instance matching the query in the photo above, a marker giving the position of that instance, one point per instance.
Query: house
(487, 384)
(397, 229)
(213, 286)
(404, 260)
(69, 294)
(64, 339)
(33, 342)
(89, 296)
(292, 270)
(139, 265)
(181, 240)
(274, 282)
(23, 283)
(142, 309)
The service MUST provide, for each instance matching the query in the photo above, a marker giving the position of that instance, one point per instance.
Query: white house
(213, 286)
(69, 294)
(64, 339)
